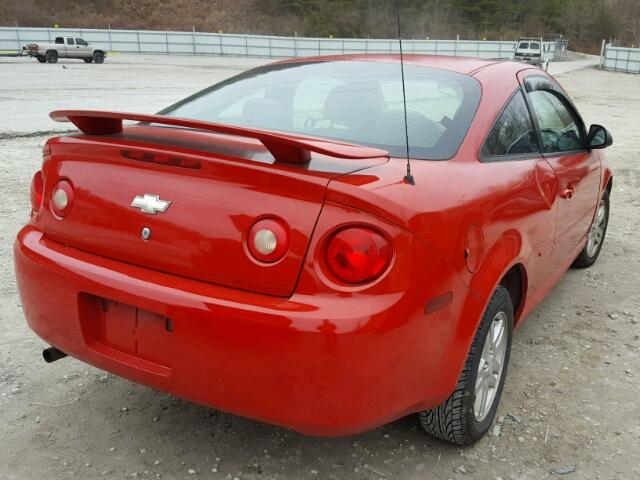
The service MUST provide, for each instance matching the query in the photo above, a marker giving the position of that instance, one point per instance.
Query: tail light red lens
(61, 198)
(268, 240)
(358, 255)
(37, 191)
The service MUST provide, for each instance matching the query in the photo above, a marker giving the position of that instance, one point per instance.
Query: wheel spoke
(490, 366)
(498, 338)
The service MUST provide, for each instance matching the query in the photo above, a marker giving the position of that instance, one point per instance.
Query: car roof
(465, 65)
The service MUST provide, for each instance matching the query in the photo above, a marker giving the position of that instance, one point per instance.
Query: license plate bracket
(115, 328)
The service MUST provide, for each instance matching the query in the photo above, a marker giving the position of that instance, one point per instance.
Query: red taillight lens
(357, 255)
(268, 240)
(37, 190)
(61, 198)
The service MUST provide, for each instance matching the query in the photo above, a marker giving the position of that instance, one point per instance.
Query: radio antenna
(408, 178)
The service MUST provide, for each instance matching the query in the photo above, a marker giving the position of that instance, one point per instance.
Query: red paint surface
(288, 343)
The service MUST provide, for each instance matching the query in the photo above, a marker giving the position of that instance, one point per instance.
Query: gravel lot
(571, 398)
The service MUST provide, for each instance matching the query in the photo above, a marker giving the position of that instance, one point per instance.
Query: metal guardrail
(198, 43)
(621, 59)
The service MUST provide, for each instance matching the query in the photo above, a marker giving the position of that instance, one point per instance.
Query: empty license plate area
(127, 333)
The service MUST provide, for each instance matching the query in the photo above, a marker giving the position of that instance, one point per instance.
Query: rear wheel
(52, 56)
(98, 57)
(41, 59)
(595, 239)
(467, 414)
(87, 60)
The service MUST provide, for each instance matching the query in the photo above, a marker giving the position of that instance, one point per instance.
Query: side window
(559, 127)
(59, 41)
(513, 132)
(80, 41)
(70, 41)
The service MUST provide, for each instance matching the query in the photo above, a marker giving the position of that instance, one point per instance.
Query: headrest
(389, 129)
(353, 105)
(265, 113)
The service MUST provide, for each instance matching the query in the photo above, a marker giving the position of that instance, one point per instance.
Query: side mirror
(599, 137)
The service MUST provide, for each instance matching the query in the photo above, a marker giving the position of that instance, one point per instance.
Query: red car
(259, 247)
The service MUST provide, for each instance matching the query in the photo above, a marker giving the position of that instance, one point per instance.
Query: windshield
(351, 101)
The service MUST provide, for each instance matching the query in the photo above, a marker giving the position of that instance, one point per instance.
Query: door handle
(567, 192)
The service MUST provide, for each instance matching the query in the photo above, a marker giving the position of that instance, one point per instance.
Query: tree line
(584, 22)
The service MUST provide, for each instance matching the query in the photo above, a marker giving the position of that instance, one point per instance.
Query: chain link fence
(198, 43)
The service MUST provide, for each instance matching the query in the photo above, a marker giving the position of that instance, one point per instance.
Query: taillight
(61, 198)
(358, 254)
(268, 240)
(37, 191)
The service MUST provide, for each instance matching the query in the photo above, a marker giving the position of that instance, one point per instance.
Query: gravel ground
(570, 398)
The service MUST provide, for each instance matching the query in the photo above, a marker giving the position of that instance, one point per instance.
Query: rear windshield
(351, 101)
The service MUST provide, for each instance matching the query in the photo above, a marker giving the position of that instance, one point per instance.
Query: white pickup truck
(532, 50)
(65, 47)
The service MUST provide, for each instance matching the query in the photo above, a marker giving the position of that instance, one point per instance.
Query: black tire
(87, 60)
(455, 420)
(98, 57)
(41, 59)
(588, 256)
(51, 56)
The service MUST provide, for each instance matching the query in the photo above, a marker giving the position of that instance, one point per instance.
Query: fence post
(602, 54)
(193, 37)
(110, 40)
(246, 44)
(17, 39)
(295, 44)
(270, 53)
(166, 41)
(138, 37)
(456, 47)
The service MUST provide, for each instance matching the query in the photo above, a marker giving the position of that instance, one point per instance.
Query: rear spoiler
(285, 147)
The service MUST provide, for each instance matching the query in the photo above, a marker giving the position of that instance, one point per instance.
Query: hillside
(586, 22)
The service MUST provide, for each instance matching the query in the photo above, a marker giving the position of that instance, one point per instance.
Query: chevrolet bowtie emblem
(150, 204)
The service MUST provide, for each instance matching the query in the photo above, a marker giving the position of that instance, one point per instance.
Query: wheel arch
(515, 281)
(607, 180)
(502, 266)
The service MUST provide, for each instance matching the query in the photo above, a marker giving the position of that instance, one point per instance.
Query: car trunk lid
(218, 185)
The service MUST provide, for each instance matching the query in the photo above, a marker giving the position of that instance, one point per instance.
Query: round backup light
(62, 198)
(268, 240)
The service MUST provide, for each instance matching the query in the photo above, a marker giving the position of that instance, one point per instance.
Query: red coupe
(259, 247)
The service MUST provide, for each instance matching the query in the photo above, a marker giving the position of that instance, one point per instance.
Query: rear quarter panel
(505, 199)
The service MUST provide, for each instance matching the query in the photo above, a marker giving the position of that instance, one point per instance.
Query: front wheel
(87, 60)
(98, 57)
(595, 238)
(465, 417)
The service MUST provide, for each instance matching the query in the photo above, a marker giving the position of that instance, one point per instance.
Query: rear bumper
(320, 365)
